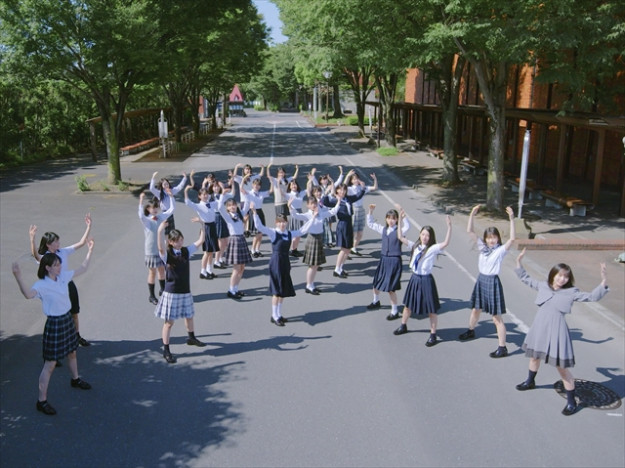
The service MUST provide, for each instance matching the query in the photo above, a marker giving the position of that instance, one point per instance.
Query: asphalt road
(334, 387)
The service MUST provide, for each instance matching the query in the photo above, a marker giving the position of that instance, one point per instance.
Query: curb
(571, 245)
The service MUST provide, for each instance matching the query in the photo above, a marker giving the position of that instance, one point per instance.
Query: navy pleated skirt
(421, 295)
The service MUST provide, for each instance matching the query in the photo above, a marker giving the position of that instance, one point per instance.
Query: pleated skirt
(387, 276)
(488, 295)
(172, 306)
(237, 252)
(422, 295)
(59, 337)
(313, 251)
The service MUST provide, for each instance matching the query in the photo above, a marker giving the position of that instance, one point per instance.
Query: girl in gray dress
(549, 337)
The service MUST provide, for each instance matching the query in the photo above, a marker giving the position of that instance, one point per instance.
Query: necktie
(416, 260)
(177, 253)
(155, 218)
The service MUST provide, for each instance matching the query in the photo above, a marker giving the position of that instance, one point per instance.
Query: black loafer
(278, 322)
(233, 295)
(314, 292)
(526, 386)
(153, 300)
(374, 305)
(401, 330)
(569, 410)
(499, 353)
(79, 383)
(195, 342)
(393, 316)
(169, 357)
(467, 335)
(339, 275)
(431, 341)
(45, 408)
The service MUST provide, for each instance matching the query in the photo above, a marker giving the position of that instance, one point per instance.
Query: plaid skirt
(488, 295)
(172, 306)
(421, 295)
(313, 252)
(358, 218)
(59, 337)
(221, 227)
(211, 241)
(237, 252)
(251, 226)
(295, 224)
(153, 261)
(387, 276)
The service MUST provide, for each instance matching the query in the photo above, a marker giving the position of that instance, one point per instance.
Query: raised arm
(445, 243)
(85, 236)
(375, 182)
(32, 232)
(191, 183)
(470, 228)
(400, 234)
(262, 171)
(85, 263)
(160, 240)
(28, 293)
(508, 244)
(296, 173)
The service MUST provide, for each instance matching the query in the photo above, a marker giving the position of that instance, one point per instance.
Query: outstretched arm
(85, 263)
(28, 293)
(85, 236)
(445, 243)
(32, 232)
(508, 244)
(198, 243)
(470, 228)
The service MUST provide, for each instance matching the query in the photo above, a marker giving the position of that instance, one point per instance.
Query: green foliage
(388, 151)
(82, 184)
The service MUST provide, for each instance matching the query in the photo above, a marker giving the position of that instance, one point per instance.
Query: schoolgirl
(205, 209)
(387, 276)
(342, 208)
(255, 196)
(176, 301)
(237, 252)
(488, 292)
(50, 242)
(320, 188)
(314, 255)
(151, 218)
(278, 188)
(549, 338)
(421, 293)
(159, 190)
(216, 191)
(280, 282)
(295, 201)
(354, 185)
(60, 338)
(246, 182)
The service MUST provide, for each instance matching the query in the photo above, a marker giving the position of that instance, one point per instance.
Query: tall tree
(101, 47)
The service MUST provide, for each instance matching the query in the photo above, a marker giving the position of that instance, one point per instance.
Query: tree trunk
(336, 102)
(449, 90)
(111, 135)
(492, 79)
(387, 86)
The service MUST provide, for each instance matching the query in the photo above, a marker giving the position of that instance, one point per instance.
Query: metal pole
(523, 175)
(327, 99)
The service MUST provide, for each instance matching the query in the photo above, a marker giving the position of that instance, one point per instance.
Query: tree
(101, 47)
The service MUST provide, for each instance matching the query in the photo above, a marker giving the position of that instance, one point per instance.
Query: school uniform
(59, 334)
(279, 195)
(237, 252)
(313, 250)
(221, 227)
(549, 338)
(256, 198)
(206, 212)
(387, 276)
(421, 293)
(343, 212)
(280, 282)
(296, 206)
(488, 292)
(150, 224)
(176, 301)
(166, 201)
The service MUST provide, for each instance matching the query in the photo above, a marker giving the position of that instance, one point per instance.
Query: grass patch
(82, 184)
(388, 151)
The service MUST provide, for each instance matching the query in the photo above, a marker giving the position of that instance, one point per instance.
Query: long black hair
(46, 240)
(47, 260)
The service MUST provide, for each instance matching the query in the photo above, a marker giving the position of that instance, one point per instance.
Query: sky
(271, 14)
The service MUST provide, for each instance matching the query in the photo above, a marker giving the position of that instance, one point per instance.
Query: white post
(524, 162)
(315, 102)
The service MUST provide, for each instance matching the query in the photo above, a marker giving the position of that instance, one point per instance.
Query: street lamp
(327, 75)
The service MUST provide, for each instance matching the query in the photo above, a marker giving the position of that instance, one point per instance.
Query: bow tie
(177, 253)
(154, 218)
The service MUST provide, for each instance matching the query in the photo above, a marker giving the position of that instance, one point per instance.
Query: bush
(81, 182)
(388, 151)
(353, 120)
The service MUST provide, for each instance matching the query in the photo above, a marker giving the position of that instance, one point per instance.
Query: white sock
(376, 297)
(209, 270)
(311, 286)
(279, 309)
(203, 271)
(274, 312)
(394, 309)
